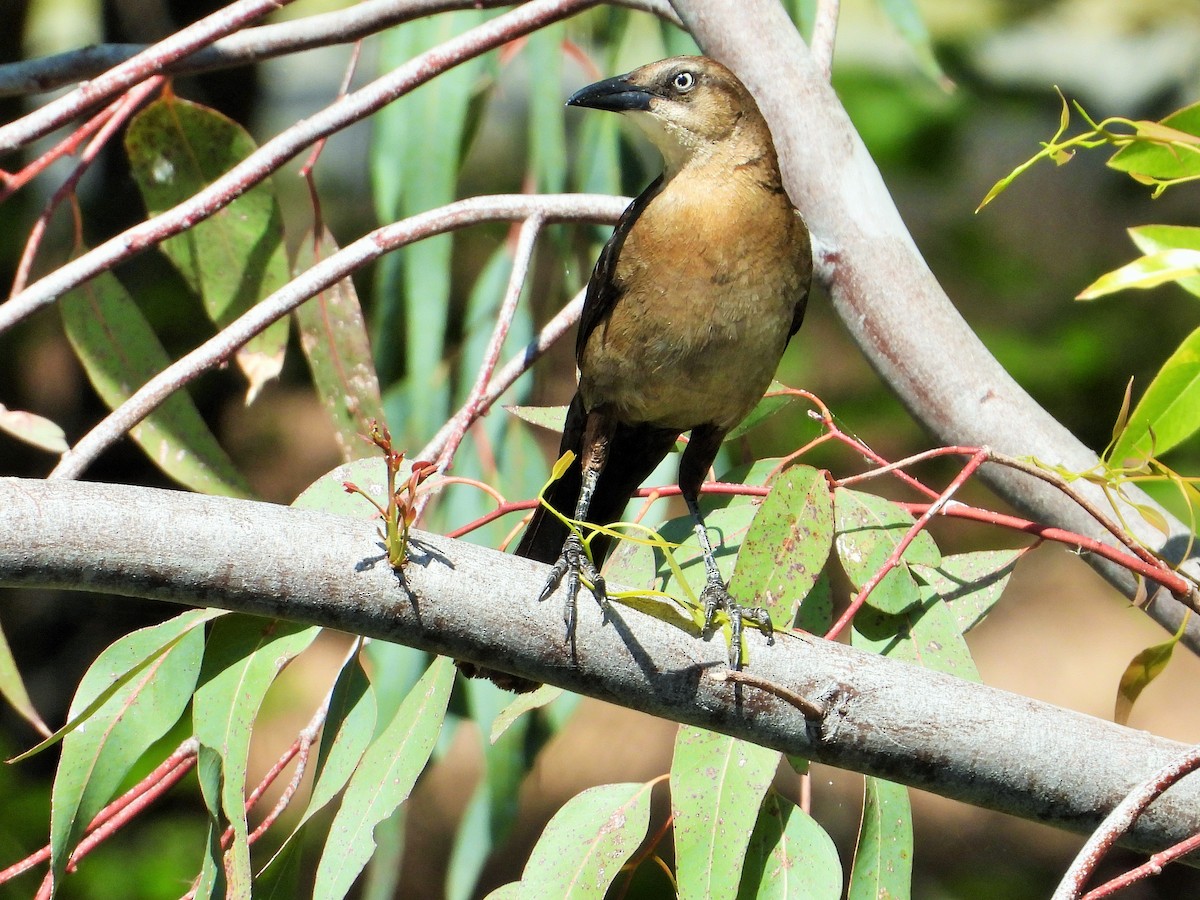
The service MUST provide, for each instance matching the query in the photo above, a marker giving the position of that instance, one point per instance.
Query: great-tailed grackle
(686, 316)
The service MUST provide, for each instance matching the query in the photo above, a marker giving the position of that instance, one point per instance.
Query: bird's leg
(574, 562)
(716, 595)
(701, 451)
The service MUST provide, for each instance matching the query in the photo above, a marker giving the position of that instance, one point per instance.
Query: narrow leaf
(1146, 272)
(242, 658)
(35, 430)
(348, 729)
(1169, 411)
(334, 338)
(926, 634)
(549, 417)
(790, 856)
(1146, 666)
(869, 529)
(883, 857)
(97, 757)
(120, 352)
(383, 780)
(1152, 239)
(587, 841)
(1165, 161)
(970, 583)
(12, 688)
(717, 786)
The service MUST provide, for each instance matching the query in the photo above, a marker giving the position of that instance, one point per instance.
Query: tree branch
(891, 302)
(864, 712)
(252, 45)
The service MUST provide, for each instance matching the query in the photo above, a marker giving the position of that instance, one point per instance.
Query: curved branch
(891, 302)
(252, 45)
(138, 68)
(324, 274)
(277, 151)
(863, 712)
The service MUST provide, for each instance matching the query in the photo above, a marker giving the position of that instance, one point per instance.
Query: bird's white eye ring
(683, 82)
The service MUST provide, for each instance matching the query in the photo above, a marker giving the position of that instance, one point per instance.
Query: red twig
(110, 819)
(113, 118)
(119, 78)
(897, 554)
(1156, 570)
(1120, 820)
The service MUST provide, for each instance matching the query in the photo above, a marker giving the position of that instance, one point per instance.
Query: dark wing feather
(602, 291)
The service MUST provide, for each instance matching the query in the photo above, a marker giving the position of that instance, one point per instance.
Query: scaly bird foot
(716, 596)
(575, 564)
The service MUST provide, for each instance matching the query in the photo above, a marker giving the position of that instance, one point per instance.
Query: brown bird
(686, 316)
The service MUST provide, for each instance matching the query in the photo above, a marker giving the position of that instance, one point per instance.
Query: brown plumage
(687, 313)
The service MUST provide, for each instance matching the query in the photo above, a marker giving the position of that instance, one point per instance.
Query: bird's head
(689, 106)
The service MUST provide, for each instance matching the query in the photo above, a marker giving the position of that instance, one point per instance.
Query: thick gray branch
(962, 740)
(891, 302)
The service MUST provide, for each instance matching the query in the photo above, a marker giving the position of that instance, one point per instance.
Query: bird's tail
(634, 452)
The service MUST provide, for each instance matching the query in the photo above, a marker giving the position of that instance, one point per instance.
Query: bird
(685, 317)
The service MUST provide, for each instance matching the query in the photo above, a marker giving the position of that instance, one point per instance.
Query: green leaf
(348, 729)
(12, 688)
(383, 780)
(1169, 411)
(869, 529)
(547, 127)
(883, 857)
(242, 658)
(1152, 239)
(905, 15)
(553, 418)
(98, 754)
(927, 634)
(790, 856)
(1146, 272)
(763, 410)
(587, 841)
(815, 614)
(1146, 666)
(787, 544)
(970, 583)
(520, 705)
(234, 258)
(1160, 161)
(120, 352)
(334, 338)
(492, 811)
(717, 786)
(416, 149)
(35, 430)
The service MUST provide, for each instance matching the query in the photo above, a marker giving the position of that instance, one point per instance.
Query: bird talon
(716, 596)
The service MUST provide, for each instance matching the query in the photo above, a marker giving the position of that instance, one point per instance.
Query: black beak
(615, 94)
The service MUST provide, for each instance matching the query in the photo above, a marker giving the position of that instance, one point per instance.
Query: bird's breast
(708, 279)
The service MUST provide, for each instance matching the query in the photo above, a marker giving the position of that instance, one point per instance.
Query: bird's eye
(683, 82)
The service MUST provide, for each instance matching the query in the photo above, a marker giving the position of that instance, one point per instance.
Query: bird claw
(575, 565)
(716, 596)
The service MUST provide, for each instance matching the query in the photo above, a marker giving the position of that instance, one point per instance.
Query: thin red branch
(124, 76)
(115, 116)
(1157, 571)
(323, 274)
(909, 536)
(274, 153)
(1120, 820)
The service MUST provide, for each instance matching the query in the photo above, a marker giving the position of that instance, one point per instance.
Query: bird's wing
(602, 291)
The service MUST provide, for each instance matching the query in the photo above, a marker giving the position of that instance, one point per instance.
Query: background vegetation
(942, 137)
